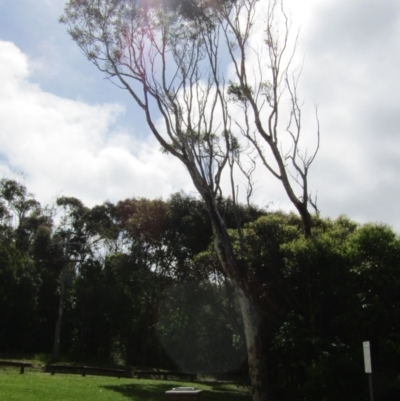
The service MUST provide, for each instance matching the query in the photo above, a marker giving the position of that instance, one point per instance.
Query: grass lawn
(38, 386)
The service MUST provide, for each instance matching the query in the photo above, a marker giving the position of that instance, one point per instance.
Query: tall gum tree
(167, 55)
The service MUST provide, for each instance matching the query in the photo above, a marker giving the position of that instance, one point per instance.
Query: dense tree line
(145, 288)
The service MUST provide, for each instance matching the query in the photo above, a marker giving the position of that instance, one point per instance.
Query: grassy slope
(35, 386)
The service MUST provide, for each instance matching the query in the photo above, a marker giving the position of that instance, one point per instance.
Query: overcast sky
(68, 131)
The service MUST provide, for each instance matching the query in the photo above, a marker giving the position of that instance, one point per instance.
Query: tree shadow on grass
(156, 392)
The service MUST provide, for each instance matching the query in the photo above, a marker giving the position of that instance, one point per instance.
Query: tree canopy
(148, 267)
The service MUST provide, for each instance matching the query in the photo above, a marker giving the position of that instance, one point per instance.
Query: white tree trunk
(257, 369)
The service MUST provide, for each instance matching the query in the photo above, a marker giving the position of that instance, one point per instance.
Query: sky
(65, 130)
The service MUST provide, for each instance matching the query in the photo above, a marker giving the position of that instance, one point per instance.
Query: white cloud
(70, 147)
(351, 72)
(78, 149)
(352, 65)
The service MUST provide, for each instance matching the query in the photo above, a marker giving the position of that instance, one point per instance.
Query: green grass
(38, 386)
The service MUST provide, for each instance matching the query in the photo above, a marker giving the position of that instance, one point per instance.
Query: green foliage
(148, 290)
(196, 335)
(239, 93)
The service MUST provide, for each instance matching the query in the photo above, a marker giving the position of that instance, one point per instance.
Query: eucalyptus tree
(25, 229)
(167, 56)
